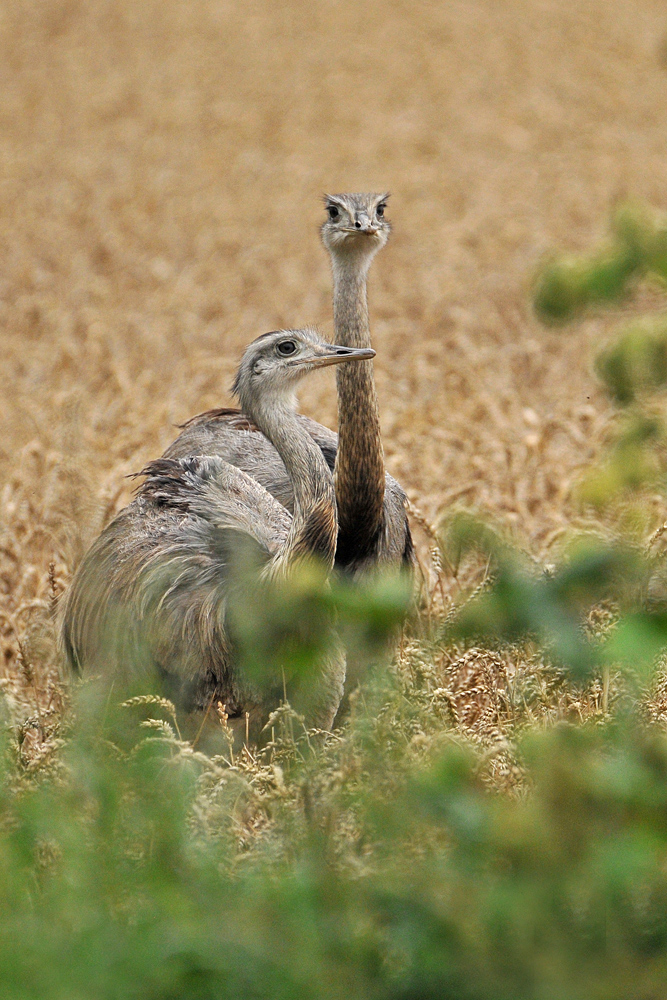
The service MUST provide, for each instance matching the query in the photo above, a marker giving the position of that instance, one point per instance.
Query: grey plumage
(373, 525)
(152, 592)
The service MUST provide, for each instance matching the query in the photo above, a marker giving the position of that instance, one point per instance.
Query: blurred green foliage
(567, 285)
(295, 623)
(633, 368)
(636, 363)
(550, 609)
(634, 461)
(525, 602)
(121, 876)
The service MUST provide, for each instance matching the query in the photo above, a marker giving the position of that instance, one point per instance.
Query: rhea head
(355, 225)
(274, 364)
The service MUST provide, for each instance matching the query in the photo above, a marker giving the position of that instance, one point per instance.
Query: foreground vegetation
(379, 865)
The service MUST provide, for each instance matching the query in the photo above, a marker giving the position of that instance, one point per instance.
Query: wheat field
(161, 169)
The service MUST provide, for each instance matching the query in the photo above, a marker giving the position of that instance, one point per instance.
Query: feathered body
(153, 590)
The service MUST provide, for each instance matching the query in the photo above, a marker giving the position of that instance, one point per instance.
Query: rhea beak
(331, 354)
(362, 226)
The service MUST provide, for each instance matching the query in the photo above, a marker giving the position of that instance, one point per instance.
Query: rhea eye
(379, 211)
(286, 347)
(333, 211)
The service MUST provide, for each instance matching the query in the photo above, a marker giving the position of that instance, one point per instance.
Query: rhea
(153, 590)
(372, 519)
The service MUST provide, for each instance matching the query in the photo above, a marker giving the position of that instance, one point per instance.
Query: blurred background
(162, 164)
(161, 168)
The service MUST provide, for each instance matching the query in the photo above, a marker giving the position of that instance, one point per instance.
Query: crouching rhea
(154, 591)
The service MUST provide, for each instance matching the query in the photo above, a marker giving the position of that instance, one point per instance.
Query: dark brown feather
(233, 416)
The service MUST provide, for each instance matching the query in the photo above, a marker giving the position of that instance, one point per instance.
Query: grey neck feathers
(359, 471)
(314, 524)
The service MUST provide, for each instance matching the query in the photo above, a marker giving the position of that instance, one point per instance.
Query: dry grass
(161, 166)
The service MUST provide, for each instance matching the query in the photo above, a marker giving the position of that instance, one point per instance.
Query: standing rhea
(153, 589)
(373, 525)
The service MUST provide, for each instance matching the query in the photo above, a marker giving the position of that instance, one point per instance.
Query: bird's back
(228, 434)
(151, 593)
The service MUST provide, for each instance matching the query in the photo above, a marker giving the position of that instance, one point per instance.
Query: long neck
(359, 470)
(314, 524)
